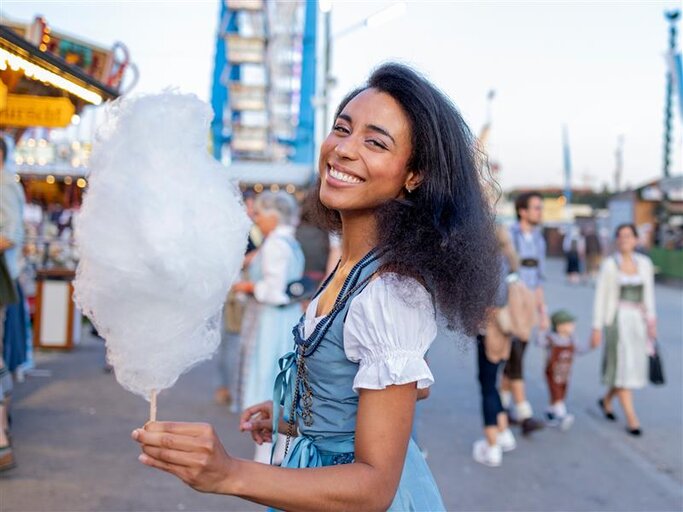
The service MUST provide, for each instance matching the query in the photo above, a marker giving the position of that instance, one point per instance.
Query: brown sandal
(7, 458)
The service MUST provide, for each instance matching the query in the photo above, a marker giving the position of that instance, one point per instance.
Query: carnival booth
(656, 209)
(48, 82)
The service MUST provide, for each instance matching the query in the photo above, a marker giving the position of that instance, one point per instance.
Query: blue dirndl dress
(330, 437)
(265, 332)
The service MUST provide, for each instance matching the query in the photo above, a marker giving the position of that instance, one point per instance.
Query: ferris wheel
(264, 81)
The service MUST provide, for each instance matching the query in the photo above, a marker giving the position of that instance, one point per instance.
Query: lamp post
(619, 163)
(672, 18)
(566, 157)
(382, 16)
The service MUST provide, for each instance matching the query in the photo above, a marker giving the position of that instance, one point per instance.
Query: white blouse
(630, 279)
(389, 327)
(276, 255)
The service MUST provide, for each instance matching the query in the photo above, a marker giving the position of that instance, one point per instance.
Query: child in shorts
(561, 346)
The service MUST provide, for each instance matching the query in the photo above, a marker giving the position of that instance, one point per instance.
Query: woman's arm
(599, 305)
(194, 454)
(600, 297)
(649, 297)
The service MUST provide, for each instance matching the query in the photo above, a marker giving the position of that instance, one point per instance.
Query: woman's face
(363, 161)
(266, 220)
(626, 240)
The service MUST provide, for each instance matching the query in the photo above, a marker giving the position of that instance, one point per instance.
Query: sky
(596, 67)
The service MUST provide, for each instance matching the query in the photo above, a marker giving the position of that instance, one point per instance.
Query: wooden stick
(153, 406)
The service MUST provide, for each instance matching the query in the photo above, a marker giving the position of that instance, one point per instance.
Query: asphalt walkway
(71, 433)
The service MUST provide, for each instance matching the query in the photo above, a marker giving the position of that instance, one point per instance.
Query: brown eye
(377, 144)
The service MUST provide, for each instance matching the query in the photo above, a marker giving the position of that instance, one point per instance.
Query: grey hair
(281, 203)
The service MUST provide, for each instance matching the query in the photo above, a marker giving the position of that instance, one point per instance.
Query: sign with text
(26, 111)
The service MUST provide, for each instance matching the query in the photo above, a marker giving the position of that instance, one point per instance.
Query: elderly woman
(625, 308)
(269, 315)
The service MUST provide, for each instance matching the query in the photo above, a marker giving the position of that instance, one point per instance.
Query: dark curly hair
(443, 232)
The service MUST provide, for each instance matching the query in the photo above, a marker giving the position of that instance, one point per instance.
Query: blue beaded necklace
(305, 347)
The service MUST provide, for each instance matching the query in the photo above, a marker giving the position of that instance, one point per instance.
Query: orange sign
(3, 96)
(25, 111)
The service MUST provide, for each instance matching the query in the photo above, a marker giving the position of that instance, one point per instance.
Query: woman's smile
(338, 176)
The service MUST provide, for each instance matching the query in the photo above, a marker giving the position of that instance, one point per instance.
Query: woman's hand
(5, 243)
(423, 394)
(652, 329)
(544, 322)
(258, 419)
(190, 451)
(596, 338)
(243, 286)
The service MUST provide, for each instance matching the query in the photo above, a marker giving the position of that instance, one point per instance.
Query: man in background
(531, 248)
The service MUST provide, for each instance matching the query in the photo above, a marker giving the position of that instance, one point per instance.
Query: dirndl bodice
(326, 429)
(632, 293)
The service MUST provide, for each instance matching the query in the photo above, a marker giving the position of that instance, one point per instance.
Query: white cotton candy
(162, 234)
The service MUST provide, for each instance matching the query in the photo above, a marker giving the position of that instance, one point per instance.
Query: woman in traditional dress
(269, 313)
(625, 309)
(400, 179)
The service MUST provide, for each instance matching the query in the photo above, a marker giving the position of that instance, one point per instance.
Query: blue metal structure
(220, 90)
(304, 144)
(264, 81)
(672, 17)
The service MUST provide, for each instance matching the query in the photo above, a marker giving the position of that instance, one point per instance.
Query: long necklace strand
(301, 379)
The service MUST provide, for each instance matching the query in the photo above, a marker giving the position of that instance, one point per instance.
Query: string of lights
(35, 72)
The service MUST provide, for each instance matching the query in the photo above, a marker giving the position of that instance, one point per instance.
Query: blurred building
(656, 209)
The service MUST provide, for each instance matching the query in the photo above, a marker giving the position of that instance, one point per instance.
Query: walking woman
(625, 309)
(399, 178)
(269, 315)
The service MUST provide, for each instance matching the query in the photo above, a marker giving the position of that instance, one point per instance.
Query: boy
(561, 347)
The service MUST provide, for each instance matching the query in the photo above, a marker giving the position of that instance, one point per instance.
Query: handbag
(301, 289)
(656, 368)
(519, 316)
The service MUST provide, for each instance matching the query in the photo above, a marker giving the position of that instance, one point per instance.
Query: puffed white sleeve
(388, 329)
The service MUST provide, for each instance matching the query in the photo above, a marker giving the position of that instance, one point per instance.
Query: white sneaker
(506, 440)
(488, 455)
(566, 421)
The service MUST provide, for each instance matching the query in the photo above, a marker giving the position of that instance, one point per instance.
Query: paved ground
(72, 429)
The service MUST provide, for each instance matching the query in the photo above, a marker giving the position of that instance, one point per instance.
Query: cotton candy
(161, 235)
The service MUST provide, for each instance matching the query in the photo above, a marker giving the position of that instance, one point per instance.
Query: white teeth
(342, 176)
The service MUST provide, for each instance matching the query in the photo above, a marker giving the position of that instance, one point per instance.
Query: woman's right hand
(596, 338)
(243, 287)
(190, 451)
(258, 419)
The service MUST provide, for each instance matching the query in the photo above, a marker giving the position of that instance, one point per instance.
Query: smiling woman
(399, 178)
(439, 224)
